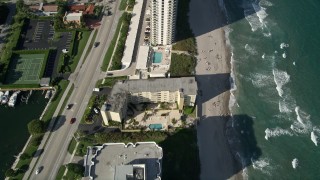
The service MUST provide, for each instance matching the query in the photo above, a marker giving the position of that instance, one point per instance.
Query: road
(84, 80)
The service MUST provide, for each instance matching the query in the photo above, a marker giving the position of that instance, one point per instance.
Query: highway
(84, 79)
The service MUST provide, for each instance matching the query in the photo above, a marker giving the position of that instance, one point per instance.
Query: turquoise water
(155, 126)
(13, 129)
(157, 57)
(276, 69)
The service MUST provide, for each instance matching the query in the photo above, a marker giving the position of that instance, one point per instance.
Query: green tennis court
(25, 69)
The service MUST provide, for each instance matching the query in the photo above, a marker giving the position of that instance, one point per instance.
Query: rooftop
(73, 16)
(143, 57)
(123, 162)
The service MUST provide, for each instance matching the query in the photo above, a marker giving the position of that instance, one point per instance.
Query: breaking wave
(263, 165)
(276, 132)
(250, 50)
(260, 80)
(280, 78)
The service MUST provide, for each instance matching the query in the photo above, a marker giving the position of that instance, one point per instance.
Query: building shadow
(209, 15)
(227, 145)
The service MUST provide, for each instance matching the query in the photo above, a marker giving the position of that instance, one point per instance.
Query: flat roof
(143, 57)
(132, 34)
(115, 160)
(73, 16)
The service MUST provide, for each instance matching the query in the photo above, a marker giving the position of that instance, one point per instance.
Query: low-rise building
(44, 10)
(182, 90)
(72, 17)
(118, 161)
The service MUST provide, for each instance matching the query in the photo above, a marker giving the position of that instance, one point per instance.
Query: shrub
(36, 127)
(76, 168)
(10, 173)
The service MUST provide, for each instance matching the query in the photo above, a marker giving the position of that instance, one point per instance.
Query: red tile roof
(50, 8)
(75, 8)
(90, 9)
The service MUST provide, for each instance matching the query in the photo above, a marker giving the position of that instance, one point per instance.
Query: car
(69, 106)
(72, 120)
(109, 74)
(96, 44)
(39, 169)
(96, 110)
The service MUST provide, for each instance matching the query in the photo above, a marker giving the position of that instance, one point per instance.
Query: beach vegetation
(10, 173)
(185, 40)
(36, 127)
(76, 169)
(182, 65)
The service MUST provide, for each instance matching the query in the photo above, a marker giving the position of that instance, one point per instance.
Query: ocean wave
(255, 15)
(250, 49)
(276, 132)
(280, 78)
(284, 55)
(260, 80)
(295, 163)
(302, 116)
(265, 3)
(314, 138)
(263, 165)
(283, 45)
(284, 107)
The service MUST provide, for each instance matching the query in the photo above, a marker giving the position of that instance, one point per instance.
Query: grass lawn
(61, 171)
(182, 65)
(88, 109)
(123, 5)
(72, 145)
(185, 40)
(109, 82)
(90, 45)
(110, 50)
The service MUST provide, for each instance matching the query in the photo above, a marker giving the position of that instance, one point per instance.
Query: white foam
(284, 107)
(265, 3)
(263, 56)
(283, 45)
(267, 34)
(262, 164)
(314, 138)
(276, 132)
(284, 55)
(280, 78)
(260, 80)
(255, 15)
(295, 163)
(250, 49)
(294, 63)
(302, 116)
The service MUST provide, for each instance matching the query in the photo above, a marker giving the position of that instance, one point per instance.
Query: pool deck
(164, 65)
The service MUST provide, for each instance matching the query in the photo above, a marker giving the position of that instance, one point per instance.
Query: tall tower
(163, 21)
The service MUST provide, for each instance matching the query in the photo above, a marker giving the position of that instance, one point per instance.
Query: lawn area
(185, 40)
(182, 65)
(123, 5)
(109, 81)
(110, 50)
(60, 173)
(26, 68)
(72, 145)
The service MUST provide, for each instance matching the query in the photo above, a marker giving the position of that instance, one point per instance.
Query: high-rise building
(163, 21)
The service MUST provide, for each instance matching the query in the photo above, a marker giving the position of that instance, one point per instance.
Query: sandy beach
(213, 72)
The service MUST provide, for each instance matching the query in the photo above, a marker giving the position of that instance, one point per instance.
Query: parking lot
(40, 34)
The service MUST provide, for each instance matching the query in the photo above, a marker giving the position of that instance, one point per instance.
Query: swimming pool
(155, 126)
(157, 57)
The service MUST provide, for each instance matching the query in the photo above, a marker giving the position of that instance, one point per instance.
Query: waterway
(13, 128)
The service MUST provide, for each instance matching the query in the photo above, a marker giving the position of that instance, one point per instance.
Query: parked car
(96, 44)
(96, 110)
(69, 106)
(72, 120)
(39, 169)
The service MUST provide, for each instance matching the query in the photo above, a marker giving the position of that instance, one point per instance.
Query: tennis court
(26, 69)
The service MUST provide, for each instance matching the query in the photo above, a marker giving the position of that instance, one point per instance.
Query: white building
(163, 21)
(182, 90)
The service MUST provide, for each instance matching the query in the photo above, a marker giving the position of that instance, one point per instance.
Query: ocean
(13, 129)
(275, 82)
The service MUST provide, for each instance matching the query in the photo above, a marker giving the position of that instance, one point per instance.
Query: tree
(76, 168)
(36, 127)
(10, 173)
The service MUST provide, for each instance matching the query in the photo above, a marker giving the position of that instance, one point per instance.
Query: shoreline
(208, 23)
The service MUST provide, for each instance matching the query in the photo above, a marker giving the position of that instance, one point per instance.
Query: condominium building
(182, 91)
(163, 21)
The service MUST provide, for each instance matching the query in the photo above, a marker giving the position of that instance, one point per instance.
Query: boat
(295, 163)
(5, 97)
(13, 99)
(1, 94)
(48, 94)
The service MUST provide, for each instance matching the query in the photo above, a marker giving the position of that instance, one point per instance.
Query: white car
(96, 110)
(39, 170)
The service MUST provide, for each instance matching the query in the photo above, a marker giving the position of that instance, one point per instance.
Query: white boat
(5, 97)
(1, 94)
(13, 99)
